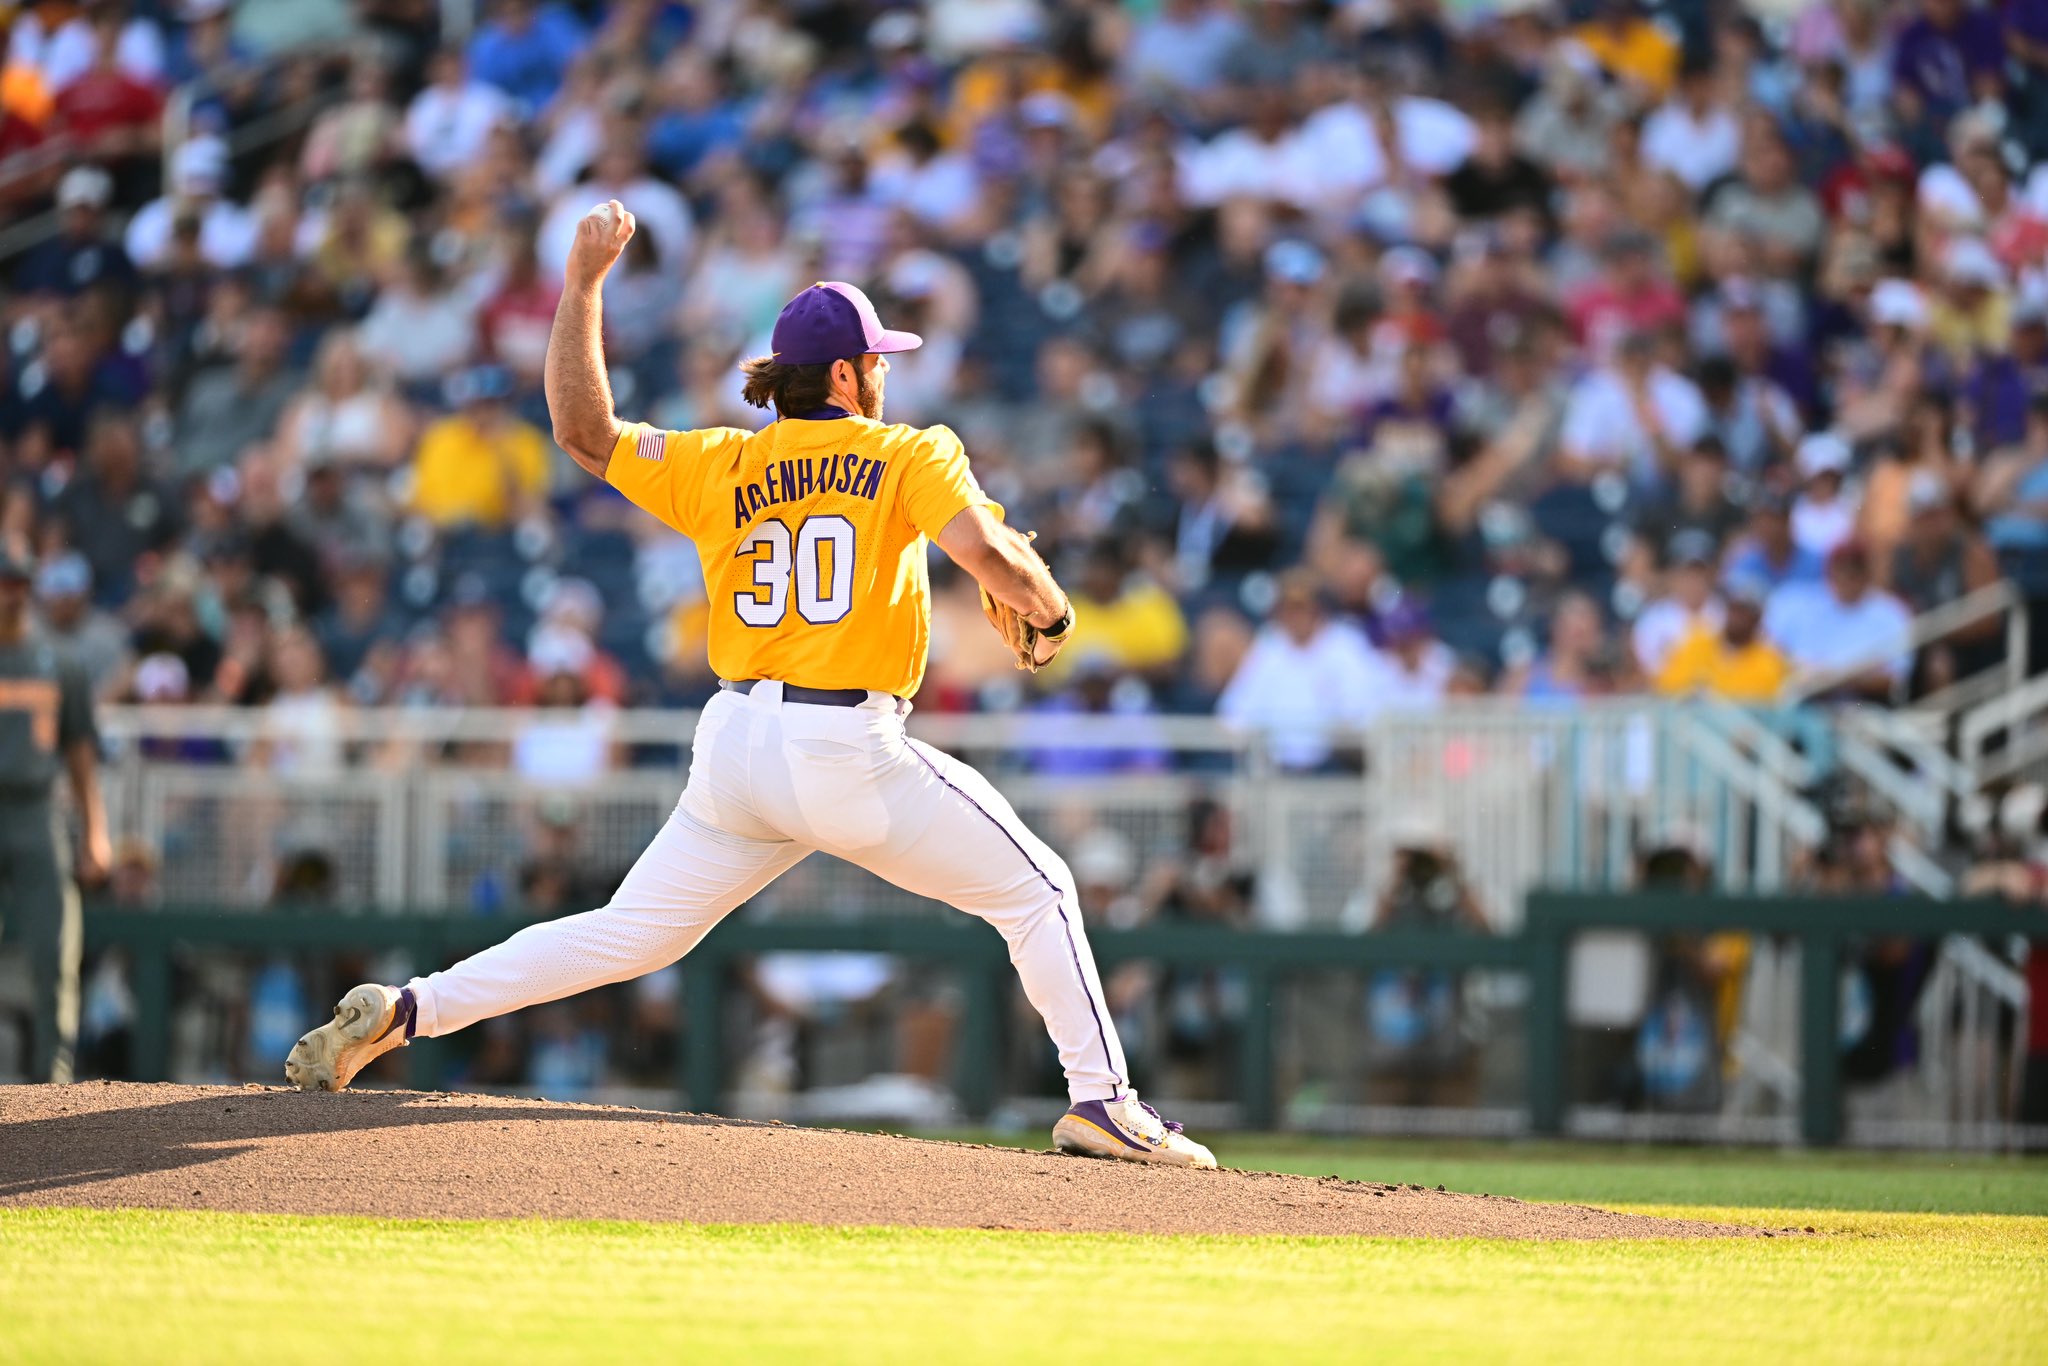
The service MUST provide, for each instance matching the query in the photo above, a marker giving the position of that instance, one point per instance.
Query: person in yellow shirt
(481, 464)
(1735, 663)
(1631, 47)
(1132, 622)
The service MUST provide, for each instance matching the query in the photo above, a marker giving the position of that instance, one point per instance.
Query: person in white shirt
(64, 54)
(227, 231)
(1824, 513)
(451, 118)
(619, 174)
(1303, 675)
(1693, 135)
(1689, 605)
(1633, 415)
(1264, 158)
(1344, 144)
(1843, 623)
(1413, 670)
(940, 189)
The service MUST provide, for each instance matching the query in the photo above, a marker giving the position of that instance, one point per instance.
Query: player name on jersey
(791, 480)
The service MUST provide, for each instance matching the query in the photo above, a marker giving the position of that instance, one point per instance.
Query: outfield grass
(1921, 1287)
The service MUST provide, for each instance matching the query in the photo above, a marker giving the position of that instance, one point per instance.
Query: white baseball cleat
(1129, 1130)
(366, 1025)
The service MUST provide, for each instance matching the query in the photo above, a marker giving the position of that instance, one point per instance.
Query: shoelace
(1171, 1126)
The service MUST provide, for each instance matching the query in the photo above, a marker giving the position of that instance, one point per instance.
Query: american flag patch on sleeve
(652, 444)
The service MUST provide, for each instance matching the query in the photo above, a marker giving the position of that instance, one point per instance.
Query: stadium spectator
(93, 636)
(229, 409)
(1689, 606)
(1304, 675)
(481, 464)
(451, 119)
(1844, 625)
(1735, 663)
(81, 256)
(226, 232)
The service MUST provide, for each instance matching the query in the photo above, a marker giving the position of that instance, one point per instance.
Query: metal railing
(1995, 599)
(428, 807)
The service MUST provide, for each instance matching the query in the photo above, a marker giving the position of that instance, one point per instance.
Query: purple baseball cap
(831, 321)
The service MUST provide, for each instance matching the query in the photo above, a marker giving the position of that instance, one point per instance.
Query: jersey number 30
(820, 554)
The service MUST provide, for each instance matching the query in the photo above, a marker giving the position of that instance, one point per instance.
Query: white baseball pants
(770, 782)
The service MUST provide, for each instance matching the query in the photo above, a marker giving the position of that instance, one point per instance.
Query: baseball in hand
(605, 217)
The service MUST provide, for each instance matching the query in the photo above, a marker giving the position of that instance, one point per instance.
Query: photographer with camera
(1417, 1049)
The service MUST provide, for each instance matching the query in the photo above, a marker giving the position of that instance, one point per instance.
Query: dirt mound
(416, 1155)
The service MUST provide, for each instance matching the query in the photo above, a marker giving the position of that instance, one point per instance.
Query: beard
(868, 390)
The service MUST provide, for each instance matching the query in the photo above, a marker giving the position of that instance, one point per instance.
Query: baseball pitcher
(812, 532)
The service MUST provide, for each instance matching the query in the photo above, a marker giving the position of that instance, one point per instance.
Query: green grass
(1618, 1174)
(1608, 1175)
(1957, 1284)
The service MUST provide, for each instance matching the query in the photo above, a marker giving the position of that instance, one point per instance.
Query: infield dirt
(409, 1154)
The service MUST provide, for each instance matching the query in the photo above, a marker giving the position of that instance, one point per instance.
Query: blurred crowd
(1346, 355)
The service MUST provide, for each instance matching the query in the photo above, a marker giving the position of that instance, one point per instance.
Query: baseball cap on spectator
(84, 187)
(1408, 266)
(1771, 502)
(915, 274)
(2030, 302)
(471, 592)
(1746, 590)
(1046, 109)
(895, 31)
(574, 602)
(1898, 303)
(200, 166)
(1740, 294)
(1889, 161)
(477, 384)
(1628, 242)
(66, 576)
(1850, 554)
(558, 650)
(162, 678)
(1404, 621)
(1967, 261)
(1294, 261)
(1691, 546)
(830, 321)
(1822, 453)
(1420, 831)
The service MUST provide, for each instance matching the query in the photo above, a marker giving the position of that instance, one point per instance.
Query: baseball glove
(1020, 635)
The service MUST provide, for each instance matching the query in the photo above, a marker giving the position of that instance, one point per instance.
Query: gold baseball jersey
(812, 534)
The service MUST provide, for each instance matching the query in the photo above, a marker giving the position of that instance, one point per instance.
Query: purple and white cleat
(1129, 1130)
(368, 1023)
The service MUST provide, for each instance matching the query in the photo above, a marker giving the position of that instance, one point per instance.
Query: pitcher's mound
(409, 1154)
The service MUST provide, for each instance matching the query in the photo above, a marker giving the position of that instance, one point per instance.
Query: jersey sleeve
(75, 720)
(664, 472)
(938, 485)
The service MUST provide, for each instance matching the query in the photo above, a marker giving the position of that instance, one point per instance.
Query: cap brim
(892, 341)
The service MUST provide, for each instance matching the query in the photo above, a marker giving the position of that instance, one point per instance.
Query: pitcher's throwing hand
(601, 235)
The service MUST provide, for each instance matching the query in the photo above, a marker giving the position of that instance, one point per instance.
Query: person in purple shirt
(1948, 58)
